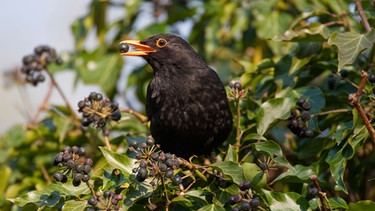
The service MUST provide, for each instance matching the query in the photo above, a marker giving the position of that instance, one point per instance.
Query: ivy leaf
(365, 205)
(231, 169)
(285, 201)
(74, 205)
(271, 148)
(271, 111)
(316, 32)
(119, 161)
(350, 44)
(212, 207)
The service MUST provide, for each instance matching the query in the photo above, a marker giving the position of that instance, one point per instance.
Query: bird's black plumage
(186, 101)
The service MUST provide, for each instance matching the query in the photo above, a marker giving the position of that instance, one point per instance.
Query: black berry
(371, 78)
(305, 115)
(123, 48)
(169, 173)
(245, 185)
(176, 180)
(255, 202)
(332, 82)
(344, 73)
(92, 201)
(306, 106)
(58, 176)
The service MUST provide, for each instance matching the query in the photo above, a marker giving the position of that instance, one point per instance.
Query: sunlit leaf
(350, 44)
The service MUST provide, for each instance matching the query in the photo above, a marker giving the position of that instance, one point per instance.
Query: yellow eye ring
(161, 43)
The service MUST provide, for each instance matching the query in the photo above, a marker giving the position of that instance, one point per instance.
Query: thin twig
(140, 116)
(315, 181)
(65, 99)
(354, 101)
(330, 112)
(238, 128)
(362, 15)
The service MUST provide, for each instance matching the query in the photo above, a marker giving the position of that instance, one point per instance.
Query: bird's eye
(161, 43)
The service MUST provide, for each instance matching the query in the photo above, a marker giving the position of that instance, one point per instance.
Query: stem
(106, 139)
(362, 15)
(238, 128)
(330, 112)
(140, 116)
(65, 99)
(315, 181)
(43, 105)
(91, 188)
(354, 101)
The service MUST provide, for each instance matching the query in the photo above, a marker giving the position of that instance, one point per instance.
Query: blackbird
(186, 102)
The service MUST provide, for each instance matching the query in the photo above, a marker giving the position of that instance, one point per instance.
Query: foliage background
(283, 50)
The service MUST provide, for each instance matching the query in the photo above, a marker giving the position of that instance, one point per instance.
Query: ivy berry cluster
(155, 163)
(104, 201)
(98, 111)
(297, 121)
(72, 163)
(244, 200)
(34, 64)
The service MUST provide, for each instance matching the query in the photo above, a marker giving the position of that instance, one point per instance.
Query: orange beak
(140, 49)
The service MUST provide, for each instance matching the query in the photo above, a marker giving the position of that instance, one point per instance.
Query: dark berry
(92, 96)
(236, 209)
(142, 174)
(312, 191)
(123, 47)
(176, 180)
(76, 183)
(150, 141)
(67, 156)
(59, 158)
(92, 201)
(86, 121)
(306, 106)
(85, 178)
(169, 162)
(169, 173)
(70, 164)
(308, 133)
(79, 168)
(89, 161)
(116, 116)
(163, 167)
(28, 59)
(81, 151)
(344, 73)
(244, 185)
(223, 183)
(237, 85)
(81, 104)
(67, 149)
(305, 115)
(255, 202)
(300, 101)
(263, 166)
(59, 61)
(107, 194)
(331, 82)
(155, 156)
(86, 168)
(134, 144)
(143, 164)
(114, 201)
(371, 78)
(234, 199)
(295, 113)
(78, 176)
(245, 206)
(75, 149)
(293, 123)
(114, 105)
(58, 176)
(99, 97)
(38, 50)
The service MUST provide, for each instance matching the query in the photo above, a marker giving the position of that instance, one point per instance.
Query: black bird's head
(164, 50)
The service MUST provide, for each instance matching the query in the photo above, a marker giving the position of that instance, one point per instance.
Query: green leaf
(271, 148)
(365, 205)
(271, 111)
(74, 205)
(198, 196)
(257, 177)
(316, 32)
(231, 169)
(299, 173)
(350, 44)
(285, 201)
(212, 207)
(231, 154)
(337, 162)
(119, 161)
